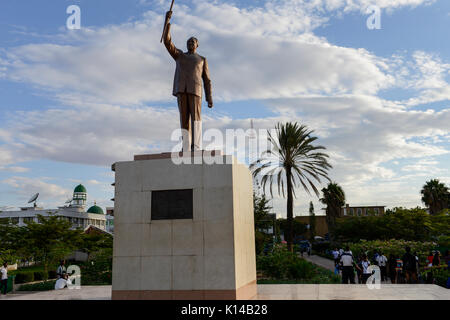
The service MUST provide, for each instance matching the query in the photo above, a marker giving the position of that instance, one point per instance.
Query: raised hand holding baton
(168, 16)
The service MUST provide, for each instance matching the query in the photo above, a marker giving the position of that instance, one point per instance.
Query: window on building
(352, 212)
(359, 212)
(345, 211)
(377, 211)
(28, 219)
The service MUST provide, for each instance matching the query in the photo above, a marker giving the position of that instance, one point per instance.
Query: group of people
(63, 279)
(400, 270)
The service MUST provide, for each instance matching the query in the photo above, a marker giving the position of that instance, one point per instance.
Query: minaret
(79, 197)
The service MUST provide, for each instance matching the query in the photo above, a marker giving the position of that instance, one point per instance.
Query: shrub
(282, 266)
(42, 286)
(24, 277)
(40, 275)
(52, 274)
(300, 269)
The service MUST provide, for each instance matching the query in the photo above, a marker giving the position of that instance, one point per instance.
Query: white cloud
(253, 53)
(48, 192)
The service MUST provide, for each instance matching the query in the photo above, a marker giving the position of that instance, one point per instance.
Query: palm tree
(334, 199)
(293, 160)
(435, 195)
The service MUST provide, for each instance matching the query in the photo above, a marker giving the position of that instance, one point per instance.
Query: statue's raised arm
(174, 51)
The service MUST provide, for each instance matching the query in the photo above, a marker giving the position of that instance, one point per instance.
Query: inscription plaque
(172, 204)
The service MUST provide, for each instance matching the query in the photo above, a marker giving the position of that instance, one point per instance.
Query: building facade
(346, 211)
(74, 213)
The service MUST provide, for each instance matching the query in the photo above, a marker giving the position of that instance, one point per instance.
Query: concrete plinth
(211, 256)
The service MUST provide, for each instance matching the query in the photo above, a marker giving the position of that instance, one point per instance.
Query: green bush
(42, 286)
(300, 269)
(24, 277)
(40, 275)
(282, 266)
(97, 271)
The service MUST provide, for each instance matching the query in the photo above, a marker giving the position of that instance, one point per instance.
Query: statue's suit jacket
(191, 69)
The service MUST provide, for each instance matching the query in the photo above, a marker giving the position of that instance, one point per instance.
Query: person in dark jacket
(392, 264)
(409, 266)
(436, 259)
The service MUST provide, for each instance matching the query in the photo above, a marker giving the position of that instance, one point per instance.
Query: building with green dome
(74, 211)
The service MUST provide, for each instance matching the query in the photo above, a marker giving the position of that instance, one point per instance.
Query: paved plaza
(275, 292)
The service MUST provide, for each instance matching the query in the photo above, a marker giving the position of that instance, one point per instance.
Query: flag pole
(166, 22)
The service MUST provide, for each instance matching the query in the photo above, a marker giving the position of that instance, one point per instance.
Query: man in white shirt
(382, 261)
(348, 273)
(4, 278)
(62, 282)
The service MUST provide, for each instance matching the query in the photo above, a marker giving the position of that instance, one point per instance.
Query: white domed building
(74, 212)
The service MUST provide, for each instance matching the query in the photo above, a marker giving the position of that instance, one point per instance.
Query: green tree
(11, 236)
(312, 221)
(399, 223)
(297, 161)
(262, 221)
(435, 195)
(94, 242)
(51, 239)
(334, 199)
(261, 209)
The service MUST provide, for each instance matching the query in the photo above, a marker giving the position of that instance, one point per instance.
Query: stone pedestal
(208, 256)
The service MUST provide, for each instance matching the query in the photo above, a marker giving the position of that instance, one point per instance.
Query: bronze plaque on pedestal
(172, 204)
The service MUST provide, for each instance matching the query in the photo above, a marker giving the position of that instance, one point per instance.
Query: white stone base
(211, 256)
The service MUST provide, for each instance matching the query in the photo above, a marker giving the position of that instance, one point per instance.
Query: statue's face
(192, 44)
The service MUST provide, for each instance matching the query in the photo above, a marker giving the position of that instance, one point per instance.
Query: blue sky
(73, 102)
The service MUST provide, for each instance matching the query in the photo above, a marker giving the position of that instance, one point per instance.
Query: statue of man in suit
(191, 70)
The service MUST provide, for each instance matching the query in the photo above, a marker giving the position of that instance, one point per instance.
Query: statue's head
(192, 44)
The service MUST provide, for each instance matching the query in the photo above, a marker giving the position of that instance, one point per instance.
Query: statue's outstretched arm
(174, 51)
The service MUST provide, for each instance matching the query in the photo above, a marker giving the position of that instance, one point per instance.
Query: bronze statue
(191, 70)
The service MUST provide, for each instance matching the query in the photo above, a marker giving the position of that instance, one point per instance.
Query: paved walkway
(320, 261)
(275, 292)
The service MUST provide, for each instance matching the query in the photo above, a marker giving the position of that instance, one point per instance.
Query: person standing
(335, 254)
(348, 272)
(437, 259)
(61, 269)
(409, 266)
(4, 278)
(382, 262)
(392, 263)
(365, 263)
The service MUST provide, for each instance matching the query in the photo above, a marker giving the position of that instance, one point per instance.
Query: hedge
(40, 275)
(24, 277)
(42, 286)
